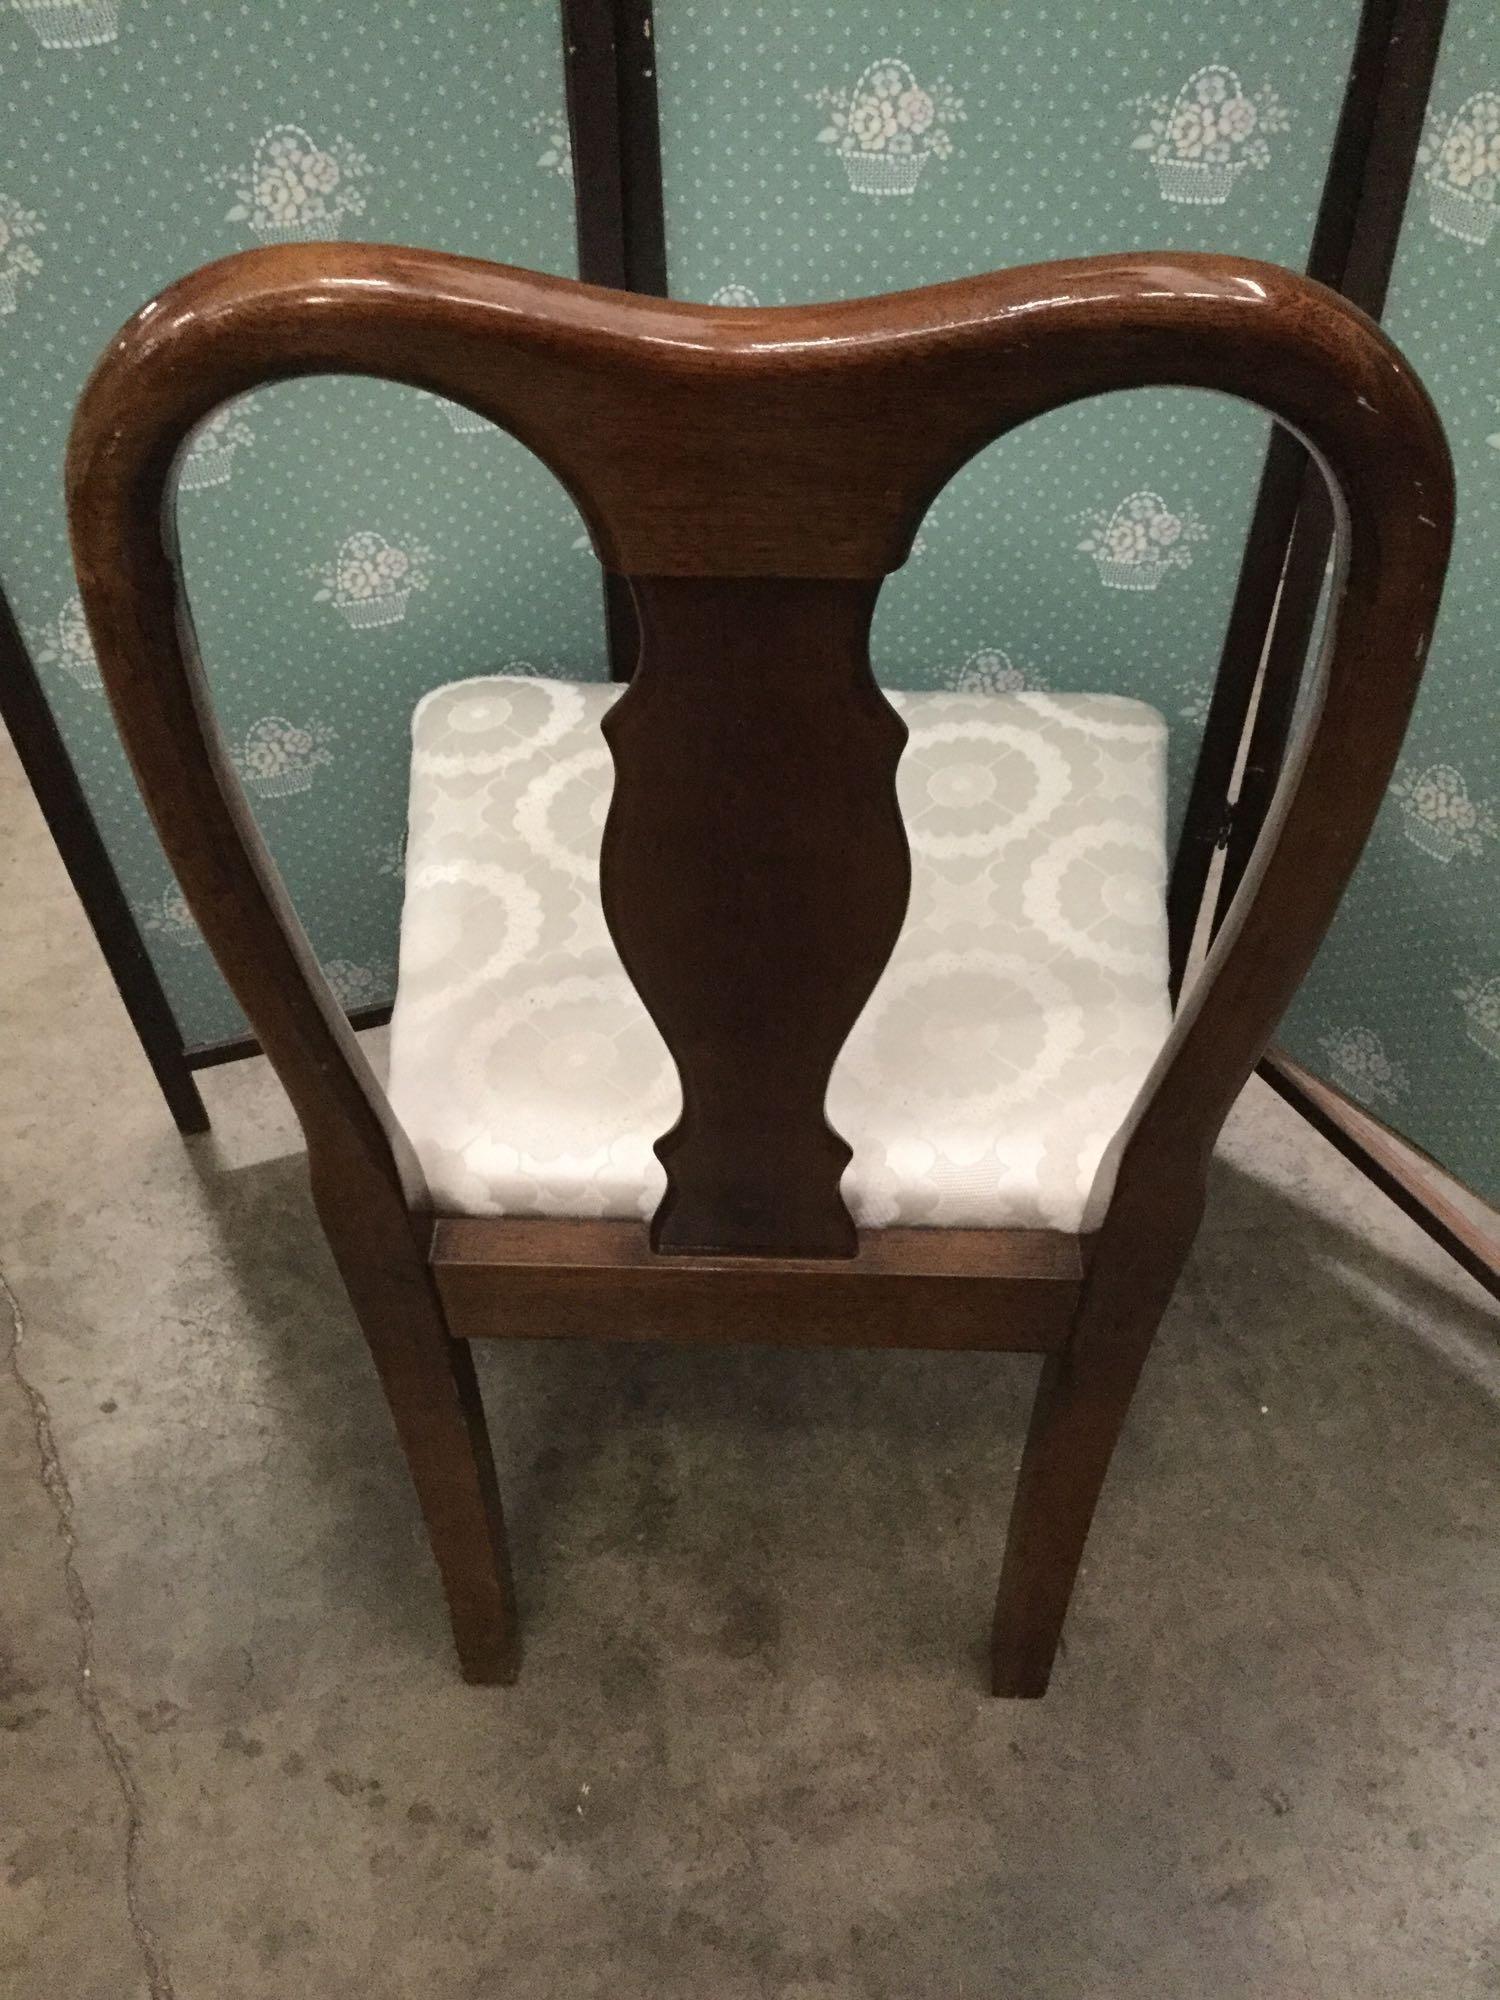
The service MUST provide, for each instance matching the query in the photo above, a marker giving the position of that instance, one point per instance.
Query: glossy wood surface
(756, 473)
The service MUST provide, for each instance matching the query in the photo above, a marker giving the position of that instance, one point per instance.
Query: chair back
(755, 474)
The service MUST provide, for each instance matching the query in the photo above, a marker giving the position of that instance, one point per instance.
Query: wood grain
(1002, 1290)
(756, 473)
(754, 877)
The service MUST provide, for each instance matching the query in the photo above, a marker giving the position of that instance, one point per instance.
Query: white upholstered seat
(1020, 1012)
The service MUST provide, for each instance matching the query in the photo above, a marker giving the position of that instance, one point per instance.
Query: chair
(755, 474)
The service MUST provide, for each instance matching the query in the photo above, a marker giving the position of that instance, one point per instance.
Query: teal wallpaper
(1403, 1006)
(812, 151)
(348, 544)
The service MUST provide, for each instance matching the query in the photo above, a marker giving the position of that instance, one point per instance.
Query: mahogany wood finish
(753, 736)
(756, 473)
(943, 1288)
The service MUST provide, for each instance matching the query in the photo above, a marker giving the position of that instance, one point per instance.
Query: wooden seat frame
(755, 474)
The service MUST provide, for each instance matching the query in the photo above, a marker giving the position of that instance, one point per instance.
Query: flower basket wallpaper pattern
(1204, 138)
(445, 124)
(295, 190)
(71, 24)
(209, 458)
(192, 133)
(886, 126)
(556, 156)
(1462, 159)
(1480, 1000)
(1140, 541)
(1440, 816)
(19, 258)
(371, 580)
(989, 670)
(1356, 1060)
(1037, 164)
(64, 643)
(279, 759)
(168, 916)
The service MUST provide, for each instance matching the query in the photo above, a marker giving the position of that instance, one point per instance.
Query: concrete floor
(749, 1754)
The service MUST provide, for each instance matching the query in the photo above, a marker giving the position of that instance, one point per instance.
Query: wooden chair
(755, 474)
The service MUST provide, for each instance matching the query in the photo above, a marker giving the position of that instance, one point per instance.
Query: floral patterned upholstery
(1020, 1012)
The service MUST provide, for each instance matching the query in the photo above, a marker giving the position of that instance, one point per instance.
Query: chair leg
(433, 1393)
(1080, 1407)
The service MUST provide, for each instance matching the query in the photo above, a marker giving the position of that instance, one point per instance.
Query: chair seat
(1024, 1003)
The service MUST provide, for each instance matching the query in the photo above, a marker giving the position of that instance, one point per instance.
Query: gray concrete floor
(749, 1754)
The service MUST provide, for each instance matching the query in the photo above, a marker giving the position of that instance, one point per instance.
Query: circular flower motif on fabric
(1099, 892)
(887, 125)
(501, 722)
(950, 781)
(576, 1074)
(561, 814)
(475, 922)
(988, 1029)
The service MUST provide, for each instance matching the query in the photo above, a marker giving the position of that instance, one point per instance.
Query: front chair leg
(433, 1392)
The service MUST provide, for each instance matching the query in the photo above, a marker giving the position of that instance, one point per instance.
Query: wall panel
(1402, 1009)
(812, 151)
(142, 139)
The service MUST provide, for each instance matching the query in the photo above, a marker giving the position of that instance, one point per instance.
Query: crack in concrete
(55, 1484)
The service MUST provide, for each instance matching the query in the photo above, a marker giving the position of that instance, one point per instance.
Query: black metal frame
(609, 55)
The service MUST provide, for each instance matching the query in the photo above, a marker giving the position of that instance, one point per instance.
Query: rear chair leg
(1074, 1423)
(1080, 1407)
(430, 1384)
